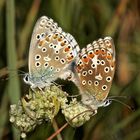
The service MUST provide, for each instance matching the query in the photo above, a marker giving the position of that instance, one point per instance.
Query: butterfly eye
(107, 102)
(26, 78)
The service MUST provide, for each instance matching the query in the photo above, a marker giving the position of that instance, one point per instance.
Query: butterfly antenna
(11, 70)
(116, 100)
(73, 96)
(112, 97)
(7, 78)
(59, 86)
(22, 72)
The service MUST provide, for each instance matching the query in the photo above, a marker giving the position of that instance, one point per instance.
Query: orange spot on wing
(109, 46)
(104, 56)
(70, 58)
(41, 43)
(79, 67)
(112, 64)
(109, 56)
(62, 44)
(66, 49)
(47, 39)
(97, 52)
(55, 36)
(59, 39)
(91, 55)
(85, 60)
(103, 52)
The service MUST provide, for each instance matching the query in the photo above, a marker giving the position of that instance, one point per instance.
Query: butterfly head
(26, 79)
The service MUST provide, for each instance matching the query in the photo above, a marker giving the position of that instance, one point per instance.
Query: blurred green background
(86, 20)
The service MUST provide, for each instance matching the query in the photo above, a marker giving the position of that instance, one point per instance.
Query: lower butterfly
(94, 72)
(50, 55)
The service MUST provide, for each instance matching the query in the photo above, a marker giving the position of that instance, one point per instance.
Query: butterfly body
(50, 55)
(94, 71)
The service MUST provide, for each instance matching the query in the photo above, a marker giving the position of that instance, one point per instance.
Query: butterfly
(94, 71)
(50, 55)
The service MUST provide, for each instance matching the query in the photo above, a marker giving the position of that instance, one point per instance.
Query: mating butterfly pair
(55, 54)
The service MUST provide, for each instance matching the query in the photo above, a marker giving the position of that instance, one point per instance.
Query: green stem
(13, 83)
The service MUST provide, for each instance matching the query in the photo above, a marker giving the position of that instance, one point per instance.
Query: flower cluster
(39, 106)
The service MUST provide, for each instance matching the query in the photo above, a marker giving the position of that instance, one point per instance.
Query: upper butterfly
(50, 55)
(94, 72)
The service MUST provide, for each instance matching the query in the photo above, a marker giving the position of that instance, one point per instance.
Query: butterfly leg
(95, 112)
(40, 89)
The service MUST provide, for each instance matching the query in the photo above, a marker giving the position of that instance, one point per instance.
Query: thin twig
(66, 124)
(56, 128)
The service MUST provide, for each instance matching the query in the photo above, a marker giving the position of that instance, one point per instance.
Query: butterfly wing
(51, 51)
(95, 69)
